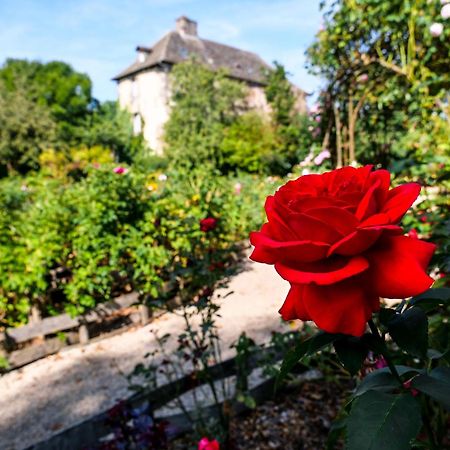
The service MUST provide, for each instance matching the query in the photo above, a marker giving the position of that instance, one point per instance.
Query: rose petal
(341, 308)
(342, 221)
(397, 266)
(293, 307)
(279, 229)
(368, 204)
(269, 251)
(309, 229)
(399, 200)
(356, 242)
(323, 272)
(383, 177)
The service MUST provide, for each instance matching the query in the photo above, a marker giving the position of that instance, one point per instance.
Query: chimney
(186, 26)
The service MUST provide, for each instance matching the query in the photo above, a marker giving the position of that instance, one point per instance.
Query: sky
(99, 37)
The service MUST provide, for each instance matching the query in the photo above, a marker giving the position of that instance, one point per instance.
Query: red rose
(208, 224)
(335, 238)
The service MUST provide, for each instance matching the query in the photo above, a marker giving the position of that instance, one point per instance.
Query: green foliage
(292, 129)
(111, 127)
(384, 421)
(56, 84)
(417, 358)
(26, 129)
(280, 95)
(249, 144)
(386, 99)
(205, 103)
(49, 108)
(69, 243)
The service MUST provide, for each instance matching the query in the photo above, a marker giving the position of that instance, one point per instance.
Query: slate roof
(176, 47)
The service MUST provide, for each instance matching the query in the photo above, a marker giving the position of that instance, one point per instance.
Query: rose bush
(336, 239)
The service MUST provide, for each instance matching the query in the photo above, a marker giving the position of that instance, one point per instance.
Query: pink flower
(445, 11)
(208, 224)
(206, 444)
(315, 109)
(319, 159)
(120, 170)
(237, 188)
(380, 363)
(318, 119)
(363, 78)
(436, 29)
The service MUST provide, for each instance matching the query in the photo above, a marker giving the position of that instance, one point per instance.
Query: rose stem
(390, 364)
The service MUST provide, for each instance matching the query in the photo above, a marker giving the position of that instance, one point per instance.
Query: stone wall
(147, 95)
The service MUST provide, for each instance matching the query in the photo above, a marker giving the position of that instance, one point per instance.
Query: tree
(204, 104)
(385, 75)
(26, 129)
(111, 127)
(293, 137)
(55, 84)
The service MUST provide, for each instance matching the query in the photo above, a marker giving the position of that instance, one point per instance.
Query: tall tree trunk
(337, 121)
(351, 130)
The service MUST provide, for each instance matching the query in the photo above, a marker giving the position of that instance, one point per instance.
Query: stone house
(144, 87)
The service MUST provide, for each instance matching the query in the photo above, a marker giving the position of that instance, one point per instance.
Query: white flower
(162, 177)
(305, 172)
(443, 2)
(436, 29)
(445, 11)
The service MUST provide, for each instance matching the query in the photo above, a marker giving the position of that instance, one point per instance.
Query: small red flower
(407, 385)
(413, 234)
(208, 224)
(206, 444)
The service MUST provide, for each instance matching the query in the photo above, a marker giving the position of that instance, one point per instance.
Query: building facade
(144, 87)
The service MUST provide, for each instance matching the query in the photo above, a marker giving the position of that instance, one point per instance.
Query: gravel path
(62, 390)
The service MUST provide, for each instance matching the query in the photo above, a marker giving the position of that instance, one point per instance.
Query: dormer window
(137, 124)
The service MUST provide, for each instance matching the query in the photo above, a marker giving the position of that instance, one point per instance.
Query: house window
(134, 89)
(137, 124)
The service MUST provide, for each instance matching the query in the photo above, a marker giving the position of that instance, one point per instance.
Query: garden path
(59, 391)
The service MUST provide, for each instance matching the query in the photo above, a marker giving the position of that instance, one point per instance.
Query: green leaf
(337, 430)
(438, 388)
(410, 331)
(383, 421)
(442, 295)
(351, 352)
(301, 349)
(380, 380)
(385, 315)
